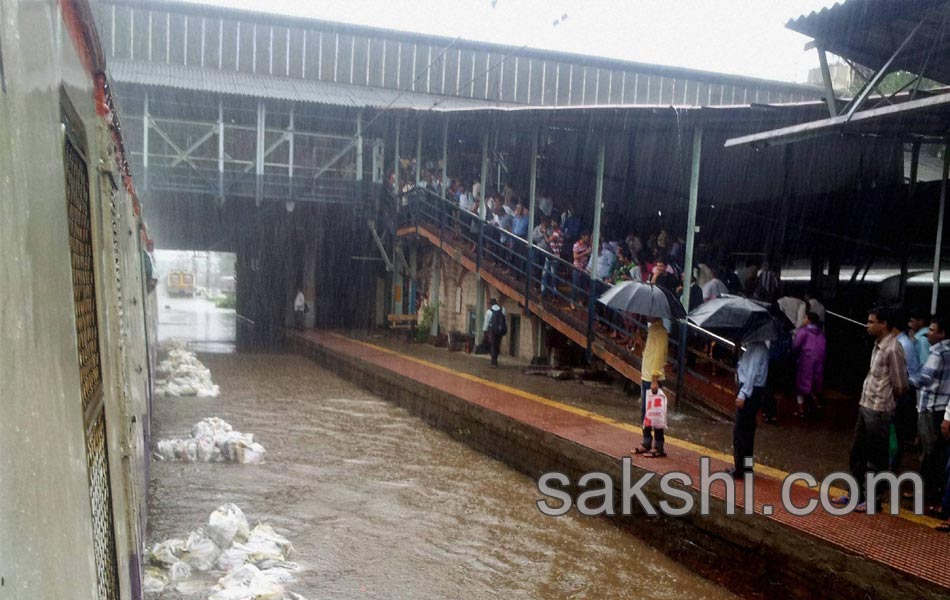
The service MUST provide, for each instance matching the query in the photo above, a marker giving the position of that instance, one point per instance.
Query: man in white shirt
(300, 309)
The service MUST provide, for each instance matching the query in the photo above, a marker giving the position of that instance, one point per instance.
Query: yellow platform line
(672, 441)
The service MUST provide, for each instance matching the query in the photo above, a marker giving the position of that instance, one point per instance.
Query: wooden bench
(402, 321)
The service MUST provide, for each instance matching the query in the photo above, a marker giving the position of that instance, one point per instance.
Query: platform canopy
(884, 36)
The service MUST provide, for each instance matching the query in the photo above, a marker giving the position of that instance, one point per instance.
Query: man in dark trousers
(752, 373)
(496, 326)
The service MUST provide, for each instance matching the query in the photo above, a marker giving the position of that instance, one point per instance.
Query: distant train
(181, 283)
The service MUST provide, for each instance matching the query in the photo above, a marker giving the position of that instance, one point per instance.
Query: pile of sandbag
(212, 440)
(248, 564)
(182, 374)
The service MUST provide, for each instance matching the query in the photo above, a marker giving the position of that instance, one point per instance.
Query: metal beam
(359, 146)
(829, 87)
(532, 207)
(940, 216)
(146, 125)
(221, 147)
(259, 157)
(882, 72)
(419, 149)
(187, 155)
(595, 242)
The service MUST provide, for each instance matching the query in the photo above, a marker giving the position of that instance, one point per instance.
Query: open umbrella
(740, 319)
(643, 299)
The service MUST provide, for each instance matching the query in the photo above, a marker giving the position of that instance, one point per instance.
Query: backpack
(498, 326)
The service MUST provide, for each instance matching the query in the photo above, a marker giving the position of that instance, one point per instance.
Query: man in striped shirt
(885, 382)
(933, 383)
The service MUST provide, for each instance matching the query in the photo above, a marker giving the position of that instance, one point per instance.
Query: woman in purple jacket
(810, 346)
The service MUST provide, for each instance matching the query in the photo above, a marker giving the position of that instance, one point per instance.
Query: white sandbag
(167, 553)
(204, 449)
(263, 533)
(232, 558)
(247, 583)
(210, 427)
(226, 525)
(154, 580)
(201, 552)
(179, 571)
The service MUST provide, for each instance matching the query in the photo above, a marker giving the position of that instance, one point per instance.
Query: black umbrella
(740, 319)
(644, 299)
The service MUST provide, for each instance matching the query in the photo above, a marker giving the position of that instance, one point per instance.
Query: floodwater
(197, 321)
(379, 505)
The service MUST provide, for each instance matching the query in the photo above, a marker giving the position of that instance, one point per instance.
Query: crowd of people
(907, 385)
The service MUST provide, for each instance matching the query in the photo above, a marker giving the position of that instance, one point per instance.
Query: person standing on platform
(652, 373)
(886, 381)
(810, 346)
(933, 383)
(905, 414)
(496, 326)
(300, 309)
(752, 373)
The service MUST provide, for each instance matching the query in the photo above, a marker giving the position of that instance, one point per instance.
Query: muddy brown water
(380, 505)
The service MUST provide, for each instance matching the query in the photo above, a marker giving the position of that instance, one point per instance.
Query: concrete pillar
(479, 308)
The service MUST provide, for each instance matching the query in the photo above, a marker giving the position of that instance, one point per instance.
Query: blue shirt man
(752, 372)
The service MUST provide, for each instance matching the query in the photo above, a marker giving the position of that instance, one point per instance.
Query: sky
(741, 37)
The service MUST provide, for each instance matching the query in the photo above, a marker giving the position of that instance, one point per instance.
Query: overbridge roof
(281, 88)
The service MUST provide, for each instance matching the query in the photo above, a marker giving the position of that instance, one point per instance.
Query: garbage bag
(226, 525)
(179, 571)
(167, 553)
(201, 552)
(154, 580)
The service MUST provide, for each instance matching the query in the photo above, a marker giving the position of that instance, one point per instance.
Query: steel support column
(146, 125)
(595, 242)
(221, 148)
(259, 156)
(690, 246)
(905, 246)
(940, 216)
(419, 150)
(480, 299)
(532, 207)
(396, 306)
(290, 152)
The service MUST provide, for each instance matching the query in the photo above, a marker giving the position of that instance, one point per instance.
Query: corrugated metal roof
(281, 88)
(870, 31)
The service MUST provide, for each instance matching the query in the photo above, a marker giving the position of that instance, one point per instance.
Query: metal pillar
(939, 242)
(480, 285)
(290, 152)
(396, 306)
(482, 209)
(359, 146)
(595, 242)
(444, 183)
(259, 158)
(413, 271)
(826, 78)
(911, 189)
(221, 148)
(419, 151)
(445, 156)
(146, 125)
(690, 245)
(532, 207)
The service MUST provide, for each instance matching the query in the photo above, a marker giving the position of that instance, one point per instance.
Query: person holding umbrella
(752, 373)
(751, 324)
(657, 303)
(652, 373)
